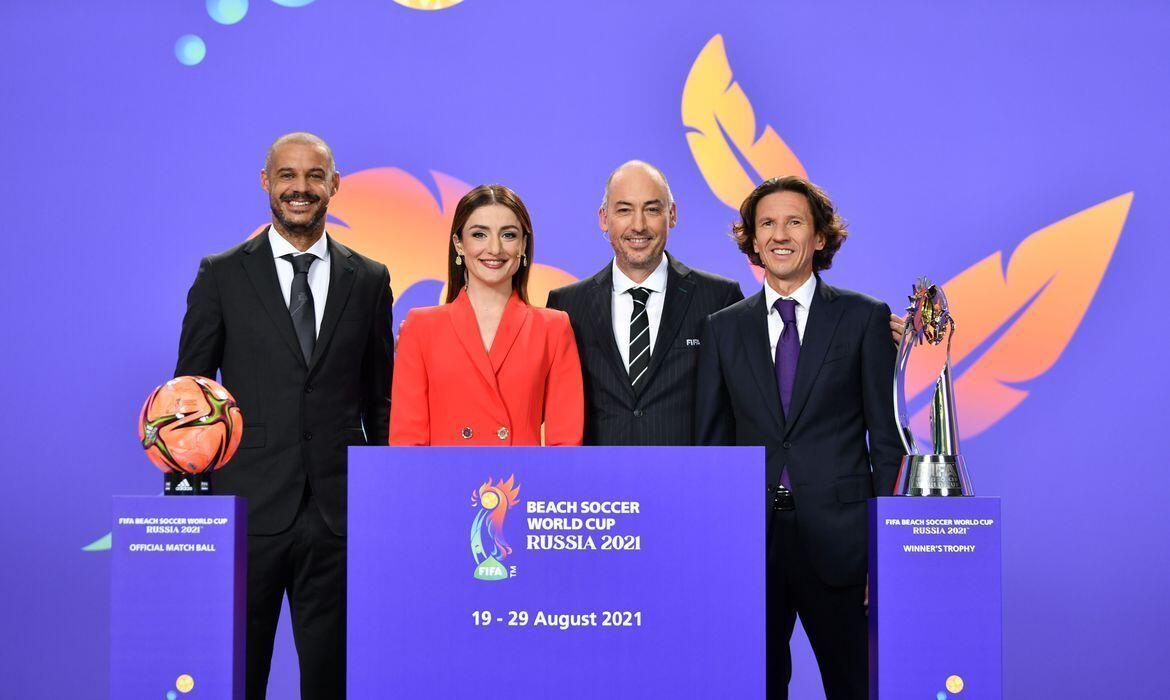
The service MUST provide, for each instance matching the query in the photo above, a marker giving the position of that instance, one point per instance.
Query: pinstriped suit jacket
(662, 412)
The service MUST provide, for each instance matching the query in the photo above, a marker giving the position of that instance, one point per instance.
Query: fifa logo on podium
(489, 548)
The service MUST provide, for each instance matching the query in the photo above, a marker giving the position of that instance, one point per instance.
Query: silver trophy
(943, 473)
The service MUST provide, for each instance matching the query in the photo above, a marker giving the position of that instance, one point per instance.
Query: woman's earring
(458, 260)
(523, 260)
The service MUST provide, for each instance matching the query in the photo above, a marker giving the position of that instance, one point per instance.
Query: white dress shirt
(623, 306)
(318, 271)
(803, 296)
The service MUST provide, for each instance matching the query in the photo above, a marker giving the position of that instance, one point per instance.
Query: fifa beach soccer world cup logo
(488, 546)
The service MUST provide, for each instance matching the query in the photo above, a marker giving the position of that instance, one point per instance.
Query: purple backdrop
(946, 133)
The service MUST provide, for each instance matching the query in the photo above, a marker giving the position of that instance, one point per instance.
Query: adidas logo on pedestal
(184, 485)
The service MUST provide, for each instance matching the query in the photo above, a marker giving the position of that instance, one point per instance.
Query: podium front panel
(608, 572)
(935, 609)
(178, 581)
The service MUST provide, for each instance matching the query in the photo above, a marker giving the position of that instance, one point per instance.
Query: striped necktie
(639, 336)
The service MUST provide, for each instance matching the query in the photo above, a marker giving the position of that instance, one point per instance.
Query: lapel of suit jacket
(823, 316)
(261, 270)
(467, 330)
(515, 314)
(679, 285)
(601, 315)
(754, 335)
(341, 278)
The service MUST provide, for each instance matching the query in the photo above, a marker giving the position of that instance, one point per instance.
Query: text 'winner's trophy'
(944, 472)
(189, 427)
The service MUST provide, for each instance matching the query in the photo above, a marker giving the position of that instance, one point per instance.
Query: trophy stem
(900, 411)
(944, 426)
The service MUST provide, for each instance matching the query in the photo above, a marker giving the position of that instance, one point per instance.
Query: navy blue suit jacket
(839, 440)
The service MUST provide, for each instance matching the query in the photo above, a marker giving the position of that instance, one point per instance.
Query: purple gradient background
(944, 131)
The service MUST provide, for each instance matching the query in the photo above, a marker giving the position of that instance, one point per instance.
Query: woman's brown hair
(483, 196)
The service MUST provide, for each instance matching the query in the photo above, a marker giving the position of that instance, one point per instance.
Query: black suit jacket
(298, 418)
(843, 393)
(662, 411)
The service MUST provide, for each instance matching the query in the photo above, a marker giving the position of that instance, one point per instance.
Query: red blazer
(448, 390)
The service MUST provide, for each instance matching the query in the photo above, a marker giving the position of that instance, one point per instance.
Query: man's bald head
(637, 213)
(642, 165)
(301, 137)
(300, 179)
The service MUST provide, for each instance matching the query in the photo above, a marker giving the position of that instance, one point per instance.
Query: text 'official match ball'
(190, 424)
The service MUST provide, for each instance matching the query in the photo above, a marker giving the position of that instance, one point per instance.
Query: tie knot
(787, 310)
(640, 295)
(301, 263)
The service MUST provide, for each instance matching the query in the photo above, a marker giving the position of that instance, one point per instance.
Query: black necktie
(300, 303)
(639, 336)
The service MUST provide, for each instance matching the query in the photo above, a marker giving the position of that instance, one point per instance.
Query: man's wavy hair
(826, 220)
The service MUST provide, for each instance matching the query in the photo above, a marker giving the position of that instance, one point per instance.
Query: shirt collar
(803, 294)
(656, 282)
(281, 247)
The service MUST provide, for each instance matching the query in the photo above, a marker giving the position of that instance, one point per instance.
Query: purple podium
(934, 599)
(569, 573)
(177, 597)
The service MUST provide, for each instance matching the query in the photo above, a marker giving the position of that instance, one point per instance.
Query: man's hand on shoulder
(898, 327)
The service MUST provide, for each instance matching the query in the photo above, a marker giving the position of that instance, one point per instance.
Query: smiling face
(300, 181)
(637, 215)
(491, 244)
(786, 239)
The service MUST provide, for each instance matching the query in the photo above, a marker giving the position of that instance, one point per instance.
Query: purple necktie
(787, 353)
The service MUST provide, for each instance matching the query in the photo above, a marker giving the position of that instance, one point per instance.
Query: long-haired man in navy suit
(638, 320)
(804, 369)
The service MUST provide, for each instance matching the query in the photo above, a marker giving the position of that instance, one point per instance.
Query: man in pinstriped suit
(638, 320)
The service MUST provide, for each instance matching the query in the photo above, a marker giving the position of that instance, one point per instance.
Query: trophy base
(184, 484)
(933, 475)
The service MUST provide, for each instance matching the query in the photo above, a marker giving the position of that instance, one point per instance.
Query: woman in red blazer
(486, 368)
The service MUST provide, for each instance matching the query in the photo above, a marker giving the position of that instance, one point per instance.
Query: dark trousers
(834, 618)
(306, 561)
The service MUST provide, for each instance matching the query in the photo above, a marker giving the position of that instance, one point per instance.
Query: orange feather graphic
(1028, 313)
(723, 130)
(1012, 325)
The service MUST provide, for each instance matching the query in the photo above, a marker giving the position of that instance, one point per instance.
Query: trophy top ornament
(928, 316)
